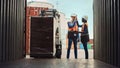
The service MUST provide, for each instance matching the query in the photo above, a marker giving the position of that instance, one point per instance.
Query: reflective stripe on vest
(75, 28)
(83, 26)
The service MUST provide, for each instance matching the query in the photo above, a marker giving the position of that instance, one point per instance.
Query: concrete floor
(81, 53)
(58, 63)
(55, 63)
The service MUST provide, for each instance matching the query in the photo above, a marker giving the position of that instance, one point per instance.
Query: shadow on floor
(55, 63)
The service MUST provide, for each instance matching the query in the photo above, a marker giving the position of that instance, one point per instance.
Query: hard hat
(85, 17)
(73, 15)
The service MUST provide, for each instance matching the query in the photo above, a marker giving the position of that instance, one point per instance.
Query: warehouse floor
(58, 63)
(81, 53)
(55, 63)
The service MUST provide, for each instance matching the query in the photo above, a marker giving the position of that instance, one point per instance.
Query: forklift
(45, 38)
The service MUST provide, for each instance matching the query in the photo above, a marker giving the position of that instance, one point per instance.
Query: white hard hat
(74, 15)
(85, 17)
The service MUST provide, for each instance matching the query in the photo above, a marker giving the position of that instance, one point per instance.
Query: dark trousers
(69, 47)
(86, 50)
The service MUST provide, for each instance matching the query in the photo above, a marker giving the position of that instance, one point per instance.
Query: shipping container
(106, 31)
(12, 30)
(31, 11)
(45, 37)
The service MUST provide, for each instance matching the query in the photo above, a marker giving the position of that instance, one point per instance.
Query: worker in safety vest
(72, 35)
(85, 35)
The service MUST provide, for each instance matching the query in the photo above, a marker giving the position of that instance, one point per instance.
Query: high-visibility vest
(83, 27)
(75, 28)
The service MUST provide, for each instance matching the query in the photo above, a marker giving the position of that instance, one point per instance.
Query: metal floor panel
(56, 63)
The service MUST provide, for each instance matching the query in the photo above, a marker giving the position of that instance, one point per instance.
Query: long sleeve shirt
(72, 24)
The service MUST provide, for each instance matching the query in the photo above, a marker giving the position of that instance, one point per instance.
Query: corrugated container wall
(106, 31)
(12, 22)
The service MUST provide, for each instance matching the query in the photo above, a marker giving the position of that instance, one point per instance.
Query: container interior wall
(106, 31)
(12, 22)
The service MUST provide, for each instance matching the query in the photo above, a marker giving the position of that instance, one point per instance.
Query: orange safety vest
(75, 28)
